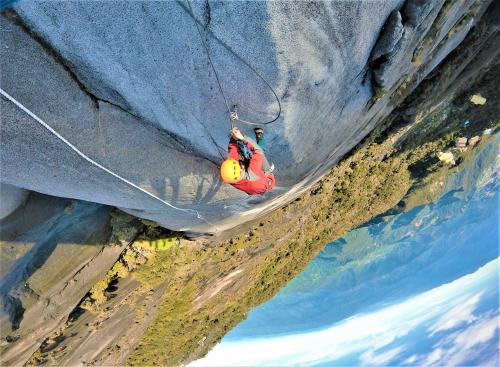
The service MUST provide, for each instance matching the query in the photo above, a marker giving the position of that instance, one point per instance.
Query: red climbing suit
(255, 181)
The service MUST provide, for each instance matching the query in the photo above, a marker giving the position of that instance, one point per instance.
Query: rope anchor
(233, 115)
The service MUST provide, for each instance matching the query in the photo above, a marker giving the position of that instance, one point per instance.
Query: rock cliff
(129, 85)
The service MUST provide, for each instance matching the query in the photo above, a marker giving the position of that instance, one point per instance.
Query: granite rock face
(129, 85)
(393, 31)
(11, 198)
(53, 250)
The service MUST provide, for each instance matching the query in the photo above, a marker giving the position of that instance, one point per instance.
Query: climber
(247, 168)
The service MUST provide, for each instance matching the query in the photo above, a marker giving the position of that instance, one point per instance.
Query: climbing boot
(259, 136)
(259, 133)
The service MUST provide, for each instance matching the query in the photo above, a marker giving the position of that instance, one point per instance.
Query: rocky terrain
(70, 260)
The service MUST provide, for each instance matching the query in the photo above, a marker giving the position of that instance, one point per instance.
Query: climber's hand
(236, 134)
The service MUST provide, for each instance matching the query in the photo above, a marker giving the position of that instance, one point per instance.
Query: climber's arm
(252, 144)
(232, 150)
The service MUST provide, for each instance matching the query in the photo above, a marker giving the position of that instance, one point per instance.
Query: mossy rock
(120, 270)
(159, 244)
(163, 244)
(129, 258)
(100, 286)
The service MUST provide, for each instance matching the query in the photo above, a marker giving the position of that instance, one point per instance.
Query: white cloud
(410, 360)
(371, 358)
(471, 341)
(492, 360)
(363, 333)
(464, 345)
(435, 356)
(460, 314)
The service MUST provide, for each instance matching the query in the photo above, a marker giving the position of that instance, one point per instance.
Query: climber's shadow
(168, 189)
(213, 187)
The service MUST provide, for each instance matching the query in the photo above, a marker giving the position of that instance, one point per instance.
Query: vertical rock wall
(129, 84)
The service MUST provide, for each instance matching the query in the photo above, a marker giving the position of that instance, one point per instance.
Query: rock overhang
(130, 85)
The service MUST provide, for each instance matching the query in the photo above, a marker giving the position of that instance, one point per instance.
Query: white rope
(13, 100)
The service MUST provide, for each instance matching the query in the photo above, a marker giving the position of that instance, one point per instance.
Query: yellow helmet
(230, 171)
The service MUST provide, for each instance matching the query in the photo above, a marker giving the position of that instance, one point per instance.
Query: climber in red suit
(254, 175)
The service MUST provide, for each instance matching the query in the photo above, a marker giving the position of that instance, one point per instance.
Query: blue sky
(418, 288)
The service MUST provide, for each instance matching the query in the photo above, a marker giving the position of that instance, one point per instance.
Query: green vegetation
(428, 48)
(137, 253)
(378, 93)
(425, 45)
(163, 244)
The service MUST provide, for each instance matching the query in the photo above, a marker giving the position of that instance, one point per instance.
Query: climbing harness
(190, 11)
(45, 125)
(244, 152)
